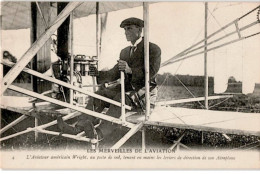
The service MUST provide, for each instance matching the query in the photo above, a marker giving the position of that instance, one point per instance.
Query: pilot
(131, 62)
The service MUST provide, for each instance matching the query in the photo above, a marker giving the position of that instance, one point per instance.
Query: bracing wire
(189, 91)
(219, 103)
(18, 6)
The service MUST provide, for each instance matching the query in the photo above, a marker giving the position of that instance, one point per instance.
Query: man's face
(132, 32)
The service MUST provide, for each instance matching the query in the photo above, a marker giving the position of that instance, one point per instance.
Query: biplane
(162, 115)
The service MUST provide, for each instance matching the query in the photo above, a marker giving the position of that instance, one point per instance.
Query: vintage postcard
(130, 85)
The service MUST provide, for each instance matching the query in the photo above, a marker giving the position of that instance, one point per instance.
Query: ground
(157, 137)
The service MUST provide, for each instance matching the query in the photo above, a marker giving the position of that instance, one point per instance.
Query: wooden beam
(188, 50)
(223, 37)
(66, 117)
(36, 113)
(35, 73)
(203, 128)
(146, 58)
(94, 78)
(208, 50)
(15, 122)
(26, 58)
(64, 104)
(16, 134)
(169, 102)
(176, 143)
(69, 116)
(66, 135)
(128, 135)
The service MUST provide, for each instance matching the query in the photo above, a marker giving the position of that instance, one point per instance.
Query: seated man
(132, 63)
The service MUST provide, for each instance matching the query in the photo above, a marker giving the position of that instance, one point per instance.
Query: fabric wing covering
(17, 15)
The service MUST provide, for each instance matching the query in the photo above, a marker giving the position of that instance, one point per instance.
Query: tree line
(170, 80)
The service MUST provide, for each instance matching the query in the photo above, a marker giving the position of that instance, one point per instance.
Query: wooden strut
(94, 78)
(161, 103)
(42, 127)
(128, 135)
(15, 122)
(178, 143)
(146, 59)
(223, 37)
(222, 45)
(64, 104)
(35, 112)
(35, 73)
(28, 55)
(186, 51)
(69, 116)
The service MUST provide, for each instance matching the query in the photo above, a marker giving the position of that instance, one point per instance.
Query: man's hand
(123, 66)
(93, 71)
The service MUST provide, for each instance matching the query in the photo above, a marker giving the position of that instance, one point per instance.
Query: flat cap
(132, 21)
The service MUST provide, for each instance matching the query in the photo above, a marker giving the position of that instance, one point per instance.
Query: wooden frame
(20, 66)
(170, 102)
(35, 73)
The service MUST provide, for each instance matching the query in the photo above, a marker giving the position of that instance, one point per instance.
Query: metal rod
(146, 58)
(64, 104)
(122, 76)
(36, 46)
(227, 43)
(71, 56)
(35, 73)
(206, 80)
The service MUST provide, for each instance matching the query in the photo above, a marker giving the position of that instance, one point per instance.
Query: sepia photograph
(130, 85)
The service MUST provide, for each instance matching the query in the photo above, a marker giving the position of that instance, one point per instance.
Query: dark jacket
(136, 63)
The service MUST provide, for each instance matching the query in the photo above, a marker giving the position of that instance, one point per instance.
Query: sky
(174, 26)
